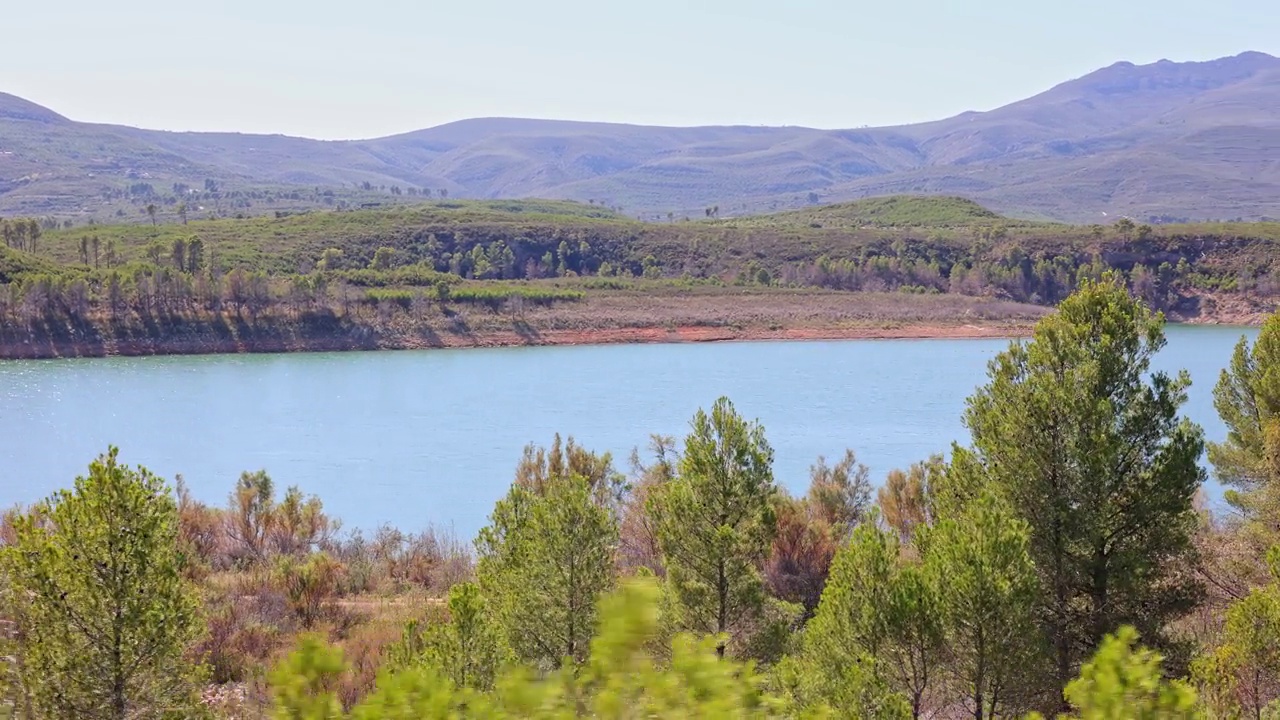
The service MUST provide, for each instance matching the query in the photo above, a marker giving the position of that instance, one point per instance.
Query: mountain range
(1168, 140)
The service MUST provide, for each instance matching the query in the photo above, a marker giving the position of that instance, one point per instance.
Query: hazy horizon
(321, 71)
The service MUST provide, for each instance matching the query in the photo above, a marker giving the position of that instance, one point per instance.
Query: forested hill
(1156, 142)
(899, 244)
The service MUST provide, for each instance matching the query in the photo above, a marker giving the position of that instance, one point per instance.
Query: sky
(358, 69)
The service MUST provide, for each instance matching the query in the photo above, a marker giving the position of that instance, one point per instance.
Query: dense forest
(1062, 561)
(378, 267)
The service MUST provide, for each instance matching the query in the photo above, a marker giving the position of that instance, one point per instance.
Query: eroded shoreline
(497, 339)
(607, 320)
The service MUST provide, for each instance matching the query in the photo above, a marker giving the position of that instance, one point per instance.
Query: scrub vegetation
(1060, 562)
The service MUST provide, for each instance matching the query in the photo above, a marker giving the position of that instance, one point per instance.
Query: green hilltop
(892, 211)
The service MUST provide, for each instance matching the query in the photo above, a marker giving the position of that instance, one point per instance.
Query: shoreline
(369, 341)
(355, 342)
(606, 319)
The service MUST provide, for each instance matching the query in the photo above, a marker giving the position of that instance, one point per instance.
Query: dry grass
(764, 308)
(270, 568)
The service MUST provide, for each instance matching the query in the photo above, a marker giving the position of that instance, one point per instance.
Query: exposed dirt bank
(599, 320)
(278, 342)
(1225, 309)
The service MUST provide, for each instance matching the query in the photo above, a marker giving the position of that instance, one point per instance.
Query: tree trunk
(117, 659)
(1098, 595)
(979, 679)
(23, 687)
(573, 610)
(722, 619)
(1061, 640)
(117, 684)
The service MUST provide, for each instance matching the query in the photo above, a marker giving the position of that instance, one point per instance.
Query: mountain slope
(1180, 140)
(13, 107)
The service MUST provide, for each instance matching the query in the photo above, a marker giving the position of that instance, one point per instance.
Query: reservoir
(414, 438)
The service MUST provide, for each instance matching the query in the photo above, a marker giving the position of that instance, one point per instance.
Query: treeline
(215, 198)
(185, 280)
(21, 233)
(145, 291)
(1043, 280)
(1043, 276)
(522, 259)
(1058, 562)
(532, 240)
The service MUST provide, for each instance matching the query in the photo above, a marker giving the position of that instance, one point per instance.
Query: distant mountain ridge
(1181, 140)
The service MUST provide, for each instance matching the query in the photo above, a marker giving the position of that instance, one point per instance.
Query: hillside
(1165, 140)
(462, 273)
(14, 265)
(1162, 141)
(880, 243)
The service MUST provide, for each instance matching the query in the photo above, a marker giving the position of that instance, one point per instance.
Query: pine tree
(1078, 435)
(105, 611)
(1124, 680)
(715, 521)
(862, 649)
(980, 567)
(1240, 677)
(545, 558)
(1247, 398)
(469, 649)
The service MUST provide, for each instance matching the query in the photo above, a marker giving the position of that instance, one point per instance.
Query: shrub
(308, 584)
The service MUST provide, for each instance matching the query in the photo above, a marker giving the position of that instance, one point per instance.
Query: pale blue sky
(360, 69)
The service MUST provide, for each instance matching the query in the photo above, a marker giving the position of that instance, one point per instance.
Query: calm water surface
(415, 437)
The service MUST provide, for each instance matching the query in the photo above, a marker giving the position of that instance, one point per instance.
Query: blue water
(417, 437)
